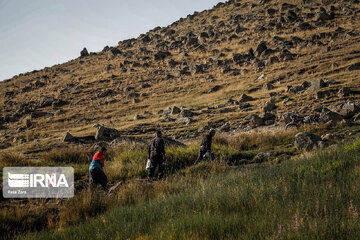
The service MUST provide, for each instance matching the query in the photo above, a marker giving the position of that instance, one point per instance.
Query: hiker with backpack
(156, 156)
(96, 173)
(205, 147)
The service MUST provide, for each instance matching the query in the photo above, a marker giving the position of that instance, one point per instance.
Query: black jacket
(156, 147)
(206, 142)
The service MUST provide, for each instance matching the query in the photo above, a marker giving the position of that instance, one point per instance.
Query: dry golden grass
(185, 90)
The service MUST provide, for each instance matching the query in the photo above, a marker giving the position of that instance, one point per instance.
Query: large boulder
(104, 133)
(347, 110)
(308, 141)
(328, 116)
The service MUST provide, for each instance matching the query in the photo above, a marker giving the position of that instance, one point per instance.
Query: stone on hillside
(308, 141)
(186, 113)
(269, 107)
(47, 101)
(215, 89)
(243, 106)
(58, 103)
(268, 116)
(267, 87)
(323, 94)
(316, 85)
(354, 67)
(175, 110)
(245, 98)
(260, 48)
(256, 121)
(160, 55)
(138, 117)
(347, 110)
(186, 120)
(330, 117)
(5, 145)
(344, 92)
(84, 53)
(39, 114)
(104, 93)
(104, 133)
(68, 137)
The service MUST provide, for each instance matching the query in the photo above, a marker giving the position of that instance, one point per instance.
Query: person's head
(103, 149)
(212, 132)
(158, 133)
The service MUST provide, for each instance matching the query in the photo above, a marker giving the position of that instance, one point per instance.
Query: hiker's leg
(91, 180)
(200, 156)
(103, 179)
(152, 168)
(160, 169)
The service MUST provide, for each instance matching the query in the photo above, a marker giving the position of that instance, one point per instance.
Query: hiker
(205, 147)
(156, 156)
(96, 173)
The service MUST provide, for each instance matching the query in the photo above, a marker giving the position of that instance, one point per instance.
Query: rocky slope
(240, 65)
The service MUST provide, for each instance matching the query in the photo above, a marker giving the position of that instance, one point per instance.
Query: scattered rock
(260, 48)
(269, 107)
(175, 110)
(68, 137)
(47, 101)
(186, 113)
(315, 85)
(347, 110)
(5, 145)
(186, 120)
(308, 141)
(104, 93)
(84, 53)
(39, 114)
(344, 92)
(138, 117)
(267, 87)
(215, 89)
(245, 98)
(354, 67)
(256, 121)
(330, 117)
(104, 133)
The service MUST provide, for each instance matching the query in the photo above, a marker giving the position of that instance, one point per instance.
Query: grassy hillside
(208, 64)
(312, 197)
(295, 56)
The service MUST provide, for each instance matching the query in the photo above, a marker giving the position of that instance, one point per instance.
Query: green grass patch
(309, 198)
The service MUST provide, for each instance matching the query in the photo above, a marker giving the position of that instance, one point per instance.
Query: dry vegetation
(80, 81)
